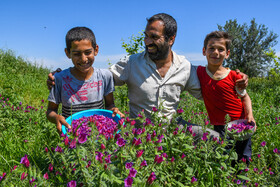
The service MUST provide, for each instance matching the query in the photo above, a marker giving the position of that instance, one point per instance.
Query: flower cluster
(240, 127)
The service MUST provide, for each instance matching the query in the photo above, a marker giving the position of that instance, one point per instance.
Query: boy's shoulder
(63, 73)
(104, 73)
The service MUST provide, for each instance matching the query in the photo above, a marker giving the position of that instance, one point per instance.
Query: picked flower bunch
(240, 129)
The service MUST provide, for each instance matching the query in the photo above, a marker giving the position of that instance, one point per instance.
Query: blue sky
(36, 29)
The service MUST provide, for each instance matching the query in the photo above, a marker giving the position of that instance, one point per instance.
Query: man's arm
(56, 118)
(120, 71)
(243, 82)
(193, 84)
(50, 80)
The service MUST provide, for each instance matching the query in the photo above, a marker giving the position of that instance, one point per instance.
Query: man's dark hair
(170, 24)
(218, 34)
(78, 34)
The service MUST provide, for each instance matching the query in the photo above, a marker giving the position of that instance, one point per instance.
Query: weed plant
(33, 153)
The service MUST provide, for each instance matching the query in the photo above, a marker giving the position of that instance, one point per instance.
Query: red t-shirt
(220, 97)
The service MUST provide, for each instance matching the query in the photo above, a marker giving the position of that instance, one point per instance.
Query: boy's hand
(50, 80)
(60, 120)
(252, 121)
(117, 111)
(242, 83)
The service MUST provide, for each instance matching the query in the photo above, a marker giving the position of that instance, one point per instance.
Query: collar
(217, 77)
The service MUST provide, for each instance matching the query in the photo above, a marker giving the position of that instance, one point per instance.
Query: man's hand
(117, 111)
(50, 80)
(242, 83)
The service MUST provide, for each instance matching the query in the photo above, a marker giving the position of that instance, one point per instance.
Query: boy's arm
(110, 105)
(55, 118)
(248, 109)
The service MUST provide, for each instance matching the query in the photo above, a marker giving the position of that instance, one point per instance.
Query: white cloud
(195, 58)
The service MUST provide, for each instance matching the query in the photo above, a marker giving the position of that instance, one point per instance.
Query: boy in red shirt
(219, 91)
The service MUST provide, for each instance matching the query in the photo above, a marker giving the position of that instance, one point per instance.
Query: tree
(249, 47)
(135, 44)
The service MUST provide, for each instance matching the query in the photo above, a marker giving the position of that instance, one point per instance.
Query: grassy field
(24, 130)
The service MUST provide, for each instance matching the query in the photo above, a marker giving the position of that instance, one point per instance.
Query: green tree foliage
(249, 46)
(275, 70)
(135, 44)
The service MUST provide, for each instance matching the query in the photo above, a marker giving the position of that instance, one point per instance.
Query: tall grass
(24, 128)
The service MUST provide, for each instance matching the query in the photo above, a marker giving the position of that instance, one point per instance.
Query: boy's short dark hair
(170, 24)
(218, 34)
(78, 34)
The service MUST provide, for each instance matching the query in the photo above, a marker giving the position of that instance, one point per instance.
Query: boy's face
(216, 51)
(156, 45)
(82, 55)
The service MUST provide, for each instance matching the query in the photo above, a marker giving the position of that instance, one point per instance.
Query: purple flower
(143, 163)
(89, 164)
(148, 138)
(120, 142)
(50, 167)
(128, 165)
(204, 136)
(73, 144)
(160, 137)
(159, 148)
(108, 159)
(99, 157)
(256, 184)
(23, 176)
(193, 180)
(14, 168)
(151, 178)
(103, 146)
(183, 156)
(180, 111)
(238, 182)
(276, 151)
(154, 109)
(58, 149)
(82, 138)
(128, 182)
(132, 172)
(136, 141)
(139, 153)
(158, 159)
(25, 161)
(3, 177)
(263, 143)
(72, 184)
(46, 176)
(172, 159)
(31, 181)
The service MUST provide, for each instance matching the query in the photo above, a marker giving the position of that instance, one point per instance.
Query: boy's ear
(227, 55)
(96, 50)
(66, 52)
(204, 51)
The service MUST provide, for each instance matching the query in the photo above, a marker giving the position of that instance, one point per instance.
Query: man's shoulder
(181, 59)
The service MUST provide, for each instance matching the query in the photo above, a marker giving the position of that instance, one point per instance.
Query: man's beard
(161, 52)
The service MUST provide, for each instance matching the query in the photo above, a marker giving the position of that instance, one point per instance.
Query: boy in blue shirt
(80, 87)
